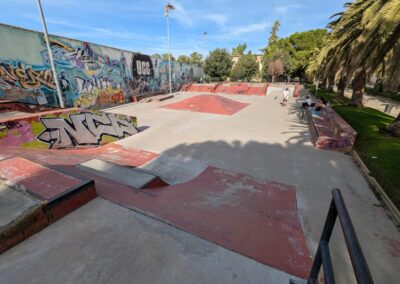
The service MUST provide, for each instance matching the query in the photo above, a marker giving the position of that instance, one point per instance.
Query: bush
(218, 64)
(246, 68)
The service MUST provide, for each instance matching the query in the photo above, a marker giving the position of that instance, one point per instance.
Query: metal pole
(53, 67)
(169, 57)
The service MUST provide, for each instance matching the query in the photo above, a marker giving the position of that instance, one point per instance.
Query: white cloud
(259, 27)
(285, 8)
(219, 19)
(182, 16)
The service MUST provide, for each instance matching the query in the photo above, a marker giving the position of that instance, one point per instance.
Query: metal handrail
(323, 258)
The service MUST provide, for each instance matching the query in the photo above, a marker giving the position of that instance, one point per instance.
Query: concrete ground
(379, 103)
(104, 243)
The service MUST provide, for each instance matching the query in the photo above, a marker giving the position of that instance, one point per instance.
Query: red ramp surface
(40, 181)
(208, 104)
(253, 217)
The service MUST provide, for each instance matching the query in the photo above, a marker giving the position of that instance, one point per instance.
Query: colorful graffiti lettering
(90, 75)
(84, 129)
(28, 77)
(89, 78)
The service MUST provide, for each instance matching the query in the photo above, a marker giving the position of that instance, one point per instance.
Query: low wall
(66, 128)
(90, 75)
(228, 88)
(330, 131)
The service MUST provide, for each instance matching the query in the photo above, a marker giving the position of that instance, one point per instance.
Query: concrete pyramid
(208, 104)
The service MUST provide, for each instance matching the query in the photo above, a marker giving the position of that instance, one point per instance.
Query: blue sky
(140, 25)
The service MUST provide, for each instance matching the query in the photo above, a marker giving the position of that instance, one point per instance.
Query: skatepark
(203, 187)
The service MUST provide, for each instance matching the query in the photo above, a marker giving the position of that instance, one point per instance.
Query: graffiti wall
(66, 129)
(90, 75)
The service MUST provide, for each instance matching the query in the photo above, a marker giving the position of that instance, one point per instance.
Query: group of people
(307, 103)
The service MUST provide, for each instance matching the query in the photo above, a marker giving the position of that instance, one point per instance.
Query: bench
(329, 130)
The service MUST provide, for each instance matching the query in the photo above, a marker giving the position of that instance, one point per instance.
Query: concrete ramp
(134, 177)
(209, 104)
(175, 170)
(64, 129)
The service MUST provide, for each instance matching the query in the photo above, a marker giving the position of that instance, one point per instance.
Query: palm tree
(361, 38)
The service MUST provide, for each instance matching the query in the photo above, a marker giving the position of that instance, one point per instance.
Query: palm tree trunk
(324, 83)
(331, 82)
(394, 128)
(358, 85)
(341, 87)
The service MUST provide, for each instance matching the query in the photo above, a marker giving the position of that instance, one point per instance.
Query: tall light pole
(53, 67)
(167, 8)
(205, 44)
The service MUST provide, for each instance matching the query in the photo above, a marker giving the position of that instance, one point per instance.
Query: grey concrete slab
(174, 169)
(268, 141)
(104, 243)
(129, 176)
(13, 204)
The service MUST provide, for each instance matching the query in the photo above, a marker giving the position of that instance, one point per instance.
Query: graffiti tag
(29, 78)
(84, 129)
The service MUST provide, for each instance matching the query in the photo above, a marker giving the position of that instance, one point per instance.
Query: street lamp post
(53, 67)
(205, 44)
(167, 8)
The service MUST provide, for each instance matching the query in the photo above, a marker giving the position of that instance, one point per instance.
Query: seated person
(307, 103)
(320, 104)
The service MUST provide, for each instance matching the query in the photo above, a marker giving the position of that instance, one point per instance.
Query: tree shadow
(313, 173)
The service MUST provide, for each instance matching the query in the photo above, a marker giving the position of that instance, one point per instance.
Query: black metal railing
(323, 257)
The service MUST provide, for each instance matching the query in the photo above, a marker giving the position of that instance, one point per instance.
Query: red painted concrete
(209, 104)
(38, 114)
(228, 88)
(113, 153)
(70, 202)
(41, 181)
(252, 217)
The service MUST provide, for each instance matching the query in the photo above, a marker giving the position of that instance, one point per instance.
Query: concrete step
(32, 196)
(134, 177)
(158, 98)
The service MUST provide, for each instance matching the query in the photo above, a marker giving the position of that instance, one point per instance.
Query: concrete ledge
(330, 131)
(30, 219)
(373, 183)
(29, 223)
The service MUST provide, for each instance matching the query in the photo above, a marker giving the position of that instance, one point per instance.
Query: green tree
(196, 59)
(165, 57)
(273, 38)
(246, 68)
(239, 49)
(277, 52)
(303, 46)
(184, 59)
(218, 64)
(364, 39)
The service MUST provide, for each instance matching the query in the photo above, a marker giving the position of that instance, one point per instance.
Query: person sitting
(320, 104)
(308, 103)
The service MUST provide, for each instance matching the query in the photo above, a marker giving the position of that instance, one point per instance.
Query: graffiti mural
(18, 79)
(84, 129)
(90, 75)
(142, 75)
(88, 78)
(66, 129)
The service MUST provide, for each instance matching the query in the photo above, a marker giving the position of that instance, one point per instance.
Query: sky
(140, 25)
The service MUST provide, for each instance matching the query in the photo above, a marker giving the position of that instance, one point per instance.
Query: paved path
(379, 103)
(104, 243)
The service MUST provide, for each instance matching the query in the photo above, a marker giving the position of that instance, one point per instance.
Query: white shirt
(286, 94)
